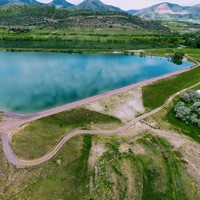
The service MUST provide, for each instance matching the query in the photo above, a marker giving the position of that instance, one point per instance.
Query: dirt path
(10, 127)
(187, 56)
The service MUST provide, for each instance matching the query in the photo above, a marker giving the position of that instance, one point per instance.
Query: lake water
(34, 81)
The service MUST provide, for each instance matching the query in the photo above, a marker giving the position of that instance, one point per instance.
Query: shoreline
(79, 103)
(80, 51)
(8, 128)
(22, 163)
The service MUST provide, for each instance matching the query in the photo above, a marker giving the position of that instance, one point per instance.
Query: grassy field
(148, 169)
(166, 120)
(39, 137)
(64, 177)
(165, 88)
(188, 129)
(82, 39)
(182, 27)
(194, 53)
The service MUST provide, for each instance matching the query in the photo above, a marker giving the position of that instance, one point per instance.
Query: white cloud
(136, 4)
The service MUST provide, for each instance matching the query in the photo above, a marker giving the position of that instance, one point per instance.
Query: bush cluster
(188, 108)
(177, 58)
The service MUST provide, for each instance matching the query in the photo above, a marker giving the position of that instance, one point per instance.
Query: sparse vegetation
(157, 173)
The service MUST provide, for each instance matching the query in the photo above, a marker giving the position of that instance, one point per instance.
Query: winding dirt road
(8, 128)
(20, 163)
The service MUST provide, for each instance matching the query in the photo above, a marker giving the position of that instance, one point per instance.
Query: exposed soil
(124, 106)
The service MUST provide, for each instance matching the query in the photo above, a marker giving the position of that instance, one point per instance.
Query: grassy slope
(64, 177)
(182, 27)
(165, 88)
(188, 129)
(158, 173)
(39, 137)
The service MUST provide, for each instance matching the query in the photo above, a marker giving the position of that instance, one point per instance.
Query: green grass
(156, 94)
(81, 42)
(168, 115)
(165, 52)
(161, 169)
(188, 129)
(182, 27)
(39, 137)
(194, 53)
(66, 180)
(158, 174)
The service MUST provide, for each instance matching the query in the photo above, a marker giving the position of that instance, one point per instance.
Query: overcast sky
(136, 4)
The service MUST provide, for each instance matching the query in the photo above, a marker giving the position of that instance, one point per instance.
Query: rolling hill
(45, 15)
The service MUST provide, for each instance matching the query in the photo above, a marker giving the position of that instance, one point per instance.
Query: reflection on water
(30, 82)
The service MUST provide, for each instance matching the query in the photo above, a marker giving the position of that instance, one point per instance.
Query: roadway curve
(20, 163)
(8, 128)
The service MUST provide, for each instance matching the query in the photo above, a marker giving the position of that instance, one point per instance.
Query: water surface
(34, 81)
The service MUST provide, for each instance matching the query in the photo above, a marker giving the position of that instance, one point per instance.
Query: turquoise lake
(35, 81)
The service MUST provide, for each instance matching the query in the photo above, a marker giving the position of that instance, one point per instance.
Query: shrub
(188, 109)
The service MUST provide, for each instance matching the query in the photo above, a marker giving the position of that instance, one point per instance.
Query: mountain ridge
(163, 11)
(19, 2)
(169, 11)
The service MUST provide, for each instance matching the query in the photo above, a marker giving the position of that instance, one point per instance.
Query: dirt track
(20, 163)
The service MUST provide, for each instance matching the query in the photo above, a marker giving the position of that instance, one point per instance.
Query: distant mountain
(61, 4)
(96, 5)
(160, 10)
(168, 11)
(195, 10)
(19, 2)
(131, 12)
